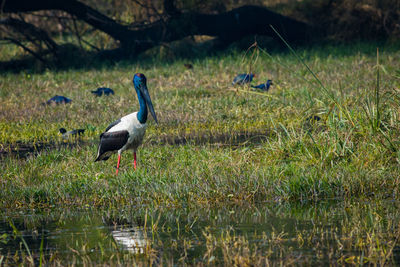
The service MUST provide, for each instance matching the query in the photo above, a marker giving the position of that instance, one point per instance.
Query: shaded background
(59, 34)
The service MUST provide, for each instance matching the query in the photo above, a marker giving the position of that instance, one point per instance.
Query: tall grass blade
(274, 59)
(41, 251)
(18, 233)
(304, 63)
(392, 146)
(324, 89)
(378, 119)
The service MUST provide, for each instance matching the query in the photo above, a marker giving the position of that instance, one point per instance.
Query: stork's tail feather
(102, 157)
(111, 142)
(98, 158)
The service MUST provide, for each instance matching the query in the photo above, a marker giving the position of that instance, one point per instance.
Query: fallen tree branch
(27, 49)
(31, 32)
(228, 26)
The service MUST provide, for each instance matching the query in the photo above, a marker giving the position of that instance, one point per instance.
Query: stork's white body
(128, 125)
(135, 129)
(128, 132)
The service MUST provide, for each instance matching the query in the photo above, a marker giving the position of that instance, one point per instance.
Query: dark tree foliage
(173, 25)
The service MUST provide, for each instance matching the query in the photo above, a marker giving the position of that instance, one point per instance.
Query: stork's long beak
(146, 95)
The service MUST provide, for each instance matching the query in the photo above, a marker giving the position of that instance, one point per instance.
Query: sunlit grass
(341, 156)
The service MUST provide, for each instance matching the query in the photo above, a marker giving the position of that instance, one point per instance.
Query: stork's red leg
(134, 160)
(119, 159)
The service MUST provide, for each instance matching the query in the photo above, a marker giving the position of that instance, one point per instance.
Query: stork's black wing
(110, 142)
(112, 124)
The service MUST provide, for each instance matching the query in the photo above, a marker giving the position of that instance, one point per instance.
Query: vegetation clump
(212, 142)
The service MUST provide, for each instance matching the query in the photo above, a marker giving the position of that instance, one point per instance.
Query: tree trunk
(228, 26)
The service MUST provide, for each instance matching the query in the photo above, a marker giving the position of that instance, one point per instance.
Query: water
(24, 149)
(324, 233)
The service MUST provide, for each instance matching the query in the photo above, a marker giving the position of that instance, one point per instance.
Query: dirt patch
(24, 149)
(231, 139)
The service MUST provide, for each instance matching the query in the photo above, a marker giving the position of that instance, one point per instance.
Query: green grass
(344, 155)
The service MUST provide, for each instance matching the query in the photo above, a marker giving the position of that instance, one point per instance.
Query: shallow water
(324, 233)
(24, 149)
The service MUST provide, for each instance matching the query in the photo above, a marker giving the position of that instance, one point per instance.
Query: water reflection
(319, 234)
(132, 239)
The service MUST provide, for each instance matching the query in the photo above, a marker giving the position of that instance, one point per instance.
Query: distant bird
(243, 78)
(76, 132)
(188, 66)
(58, 99)
(128, 131)
(263, 86)
(103, 91)
(313, 119)
(310, 122)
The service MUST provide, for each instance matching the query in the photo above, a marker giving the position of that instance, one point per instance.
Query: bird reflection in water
(132, 239)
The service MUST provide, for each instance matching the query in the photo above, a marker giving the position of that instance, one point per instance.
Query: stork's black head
(139, 81)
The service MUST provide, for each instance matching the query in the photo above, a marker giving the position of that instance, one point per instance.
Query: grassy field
(351, 152)
(215, 145)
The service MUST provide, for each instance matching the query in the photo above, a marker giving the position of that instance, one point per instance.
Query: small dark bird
(311, 123)
(103, 91)
(58, 99)
(263, 86)
(188, 66)
(313, 119)
(243, 78)
(128, 131)
(76, 132)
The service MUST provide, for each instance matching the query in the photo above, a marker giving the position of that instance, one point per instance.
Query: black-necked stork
(243, 78)
(66, 134)
(128, 131)
(263, 86)
(103, 91)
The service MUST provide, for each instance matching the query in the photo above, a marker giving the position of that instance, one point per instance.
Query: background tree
(127, 28)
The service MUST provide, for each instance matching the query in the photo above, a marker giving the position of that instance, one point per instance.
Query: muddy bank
(24, 149)
(231, 139)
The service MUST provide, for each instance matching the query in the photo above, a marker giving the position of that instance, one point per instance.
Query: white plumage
(128, 132)
(135, 129)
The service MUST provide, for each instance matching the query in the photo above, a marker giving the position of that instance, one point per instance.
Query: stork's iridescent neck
(139, 81)
(142, 114)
